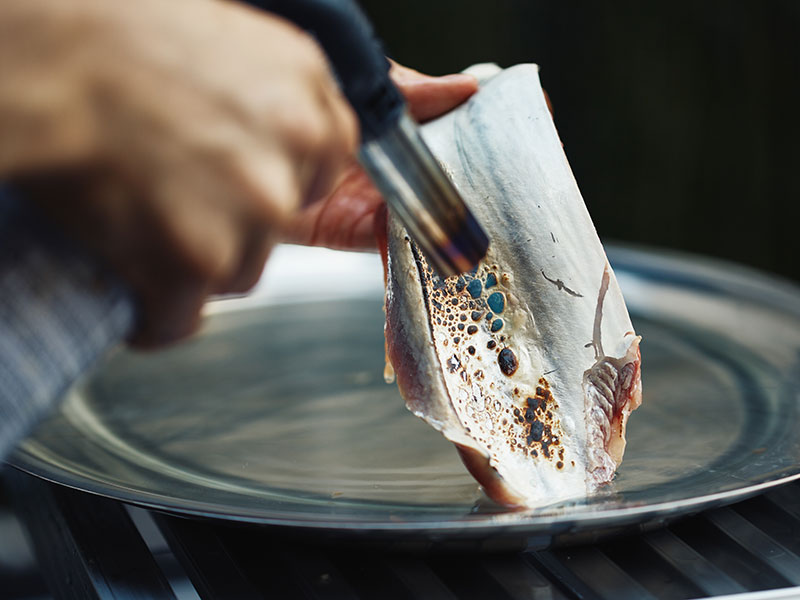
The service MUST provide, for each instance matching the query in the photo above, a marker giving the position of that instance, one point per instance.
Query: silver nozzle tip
(424, 199)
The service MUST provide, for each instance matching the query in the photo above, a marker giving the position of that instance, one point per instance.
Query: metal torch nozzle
(423, 198)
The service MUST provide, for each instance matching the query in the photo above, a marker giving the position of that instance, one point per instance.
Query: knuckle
(311, 57)
(207, 266)
(306, 130)
(203, 259)
(268, 194)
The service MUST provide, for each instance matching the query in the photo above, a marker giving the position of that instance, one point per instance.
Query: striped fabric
(58, 314)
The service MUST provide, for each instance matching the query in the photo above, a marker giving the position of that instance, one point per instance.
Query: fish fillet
(529, 364)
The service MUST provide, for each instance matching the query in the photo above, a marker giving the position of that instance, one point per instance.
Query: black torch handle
(356, 56)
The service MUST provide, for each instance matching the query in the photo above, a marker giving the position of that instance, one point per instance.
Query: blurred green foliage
(680, 119)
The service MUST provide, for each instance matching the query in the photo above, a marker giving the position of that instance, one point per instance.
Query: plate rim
(639, 259)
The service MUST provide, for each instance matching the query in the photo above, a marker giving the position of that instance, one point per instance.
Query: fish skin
(539, 417)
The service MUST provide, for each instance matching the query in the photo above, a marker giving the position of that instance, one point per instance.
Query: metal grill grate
(89, 547)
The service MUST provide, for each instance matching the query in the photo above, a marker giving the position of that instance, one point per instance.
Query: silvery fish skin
(529, 364)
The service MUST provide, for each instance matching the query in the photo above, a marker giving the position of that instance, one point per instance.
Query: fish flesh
(529, 364)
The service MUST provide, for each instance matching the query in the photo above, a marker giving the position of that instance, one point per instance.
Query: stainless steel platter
(278, 413)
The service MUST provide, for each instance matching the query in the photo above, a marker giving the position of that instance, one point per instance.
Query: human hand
(177, 138)
(170, 159)
(345, 218)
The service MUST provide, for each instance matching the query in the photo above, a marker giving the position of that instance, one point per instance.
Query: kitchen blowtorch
(392, 152)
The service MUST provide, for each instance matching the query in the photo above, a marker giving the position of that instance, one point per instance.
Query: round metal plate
(278, 413)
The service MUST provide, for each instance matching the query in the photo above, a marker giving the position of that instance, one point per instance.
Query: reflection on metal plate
(278, 414)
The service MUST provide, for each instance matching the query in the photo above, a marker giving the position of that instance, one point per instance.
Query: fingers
(342, 220)
(251, 196)
(220, 170)
(256, 251)
(168, 316)
(343, 139)
(345, 218)
(173, 246)
(429, 97)
(216, 126)
(316, 127)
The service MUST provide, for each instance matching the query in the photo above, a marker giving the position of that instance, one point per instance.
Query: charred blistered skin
(542, 426)
(471, 323)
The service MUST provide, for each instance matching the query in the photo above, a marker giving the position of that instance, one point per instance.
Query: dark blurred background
(679, 118)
